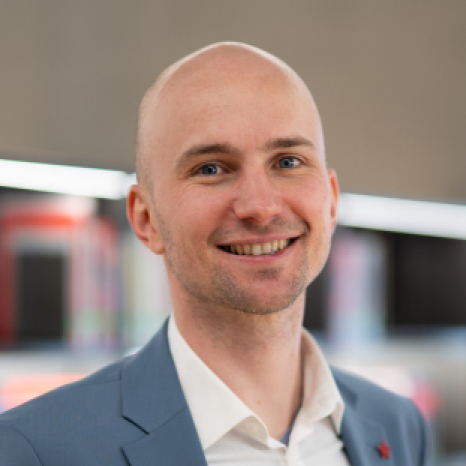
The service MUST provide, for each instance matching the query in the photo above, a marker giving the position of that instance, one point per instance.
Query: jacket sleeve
(15, 449)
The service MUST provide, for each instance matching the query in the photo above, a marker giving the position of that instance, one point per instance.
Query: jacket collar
(360, 436)
(153, 400)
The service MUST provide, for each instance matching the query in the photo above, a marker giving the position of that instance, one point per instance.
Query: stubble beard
(226, 292)
(222, 294)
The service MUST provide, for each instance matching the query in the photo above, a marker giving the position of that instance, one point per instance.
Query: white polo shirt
(232, 435)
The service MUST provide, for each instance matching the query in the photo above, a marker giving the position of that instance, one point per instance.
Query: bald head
(220, 70)
(230, 152)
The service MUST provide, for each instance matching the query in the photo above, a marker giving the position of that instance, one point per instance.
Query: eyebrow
(225, 148)
(284, 143)
(201, 149)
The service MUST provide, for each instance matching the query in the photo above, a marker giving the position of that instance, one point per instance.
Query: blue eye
(209, 169)
(288, 162)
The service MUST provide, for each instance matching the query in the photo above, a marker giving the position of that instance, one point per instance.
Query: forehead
(241, 107)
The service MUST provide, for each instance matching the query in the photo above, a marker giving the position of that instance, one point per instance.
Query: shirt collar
(216, 410)
(321, 397)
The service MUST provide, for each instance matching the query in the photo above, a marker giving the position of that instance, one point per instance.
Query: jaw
(263, 283)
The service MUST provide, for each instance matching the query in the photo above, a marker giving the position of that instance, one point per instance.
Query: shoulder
(55, 424)
(398, 415)
(113, 407)
(371, 397)
(68, 397)
(352, 385)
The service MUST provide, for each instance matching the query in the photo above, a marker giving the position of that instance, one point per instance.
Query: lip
(258, 240)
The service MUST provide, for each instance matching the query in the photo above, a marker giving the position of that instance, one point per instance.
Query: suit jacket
(133, 412)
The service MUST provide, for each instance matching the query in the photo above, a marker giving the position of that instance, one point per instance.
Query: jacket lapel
(153, 400)
(173, 444)
(360, 435)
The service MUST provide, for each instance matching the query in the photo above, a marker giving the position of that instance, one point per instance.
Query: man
(234, 191)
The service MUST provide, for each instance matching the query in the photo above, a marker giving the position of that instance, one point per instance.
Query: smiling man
(234, 191)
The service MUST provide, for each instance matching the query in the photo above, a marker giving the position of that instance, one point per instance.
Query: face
(242, 205)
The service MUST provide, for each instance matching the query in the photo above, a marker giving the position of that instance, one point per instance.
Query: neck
(257, 356)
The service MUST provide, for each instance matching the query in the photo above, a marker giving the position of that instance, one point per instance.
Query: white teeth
(258, 249)
(266, 248)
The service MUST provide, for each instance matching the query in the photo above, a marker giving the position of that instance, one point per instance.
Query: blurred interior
(77, 290)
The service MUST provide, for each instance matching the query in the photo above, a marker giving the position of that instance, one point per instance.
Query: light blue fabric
(133, 412)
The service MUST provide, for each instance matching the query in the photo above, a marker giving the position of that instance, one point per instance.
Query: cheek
(201, 202)
(310, 200)
(194, 211)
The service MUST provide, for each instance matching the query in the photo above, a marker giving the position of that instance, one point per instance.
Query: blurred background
(77, 290)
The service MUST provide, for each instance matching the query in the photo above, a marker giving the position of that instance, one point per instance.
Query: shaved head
(229, 152)
(213, 68)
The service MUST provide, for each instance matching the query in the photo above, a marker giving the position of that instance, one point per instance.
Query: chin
(273, 304)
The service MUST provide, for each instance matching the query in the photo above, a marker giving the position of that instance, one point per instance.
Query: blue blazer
(133, 412)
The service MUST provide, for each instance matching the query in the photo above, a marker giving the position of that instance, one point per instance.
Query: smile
(258, 249)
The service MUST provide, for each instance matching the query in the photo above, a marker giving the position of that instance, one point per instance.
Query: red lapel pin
(384, 450)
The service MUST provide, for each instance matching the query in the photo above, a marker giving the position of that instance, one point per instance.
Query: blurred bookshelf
(391, 307)
(380, 284)
(78, 290)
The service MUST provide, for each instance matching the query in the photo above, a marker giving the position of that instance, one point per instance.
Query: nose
(257, 199)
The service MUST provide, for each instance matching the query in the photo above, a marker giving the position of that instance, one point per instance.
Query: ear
(334, 196)
(142, 219)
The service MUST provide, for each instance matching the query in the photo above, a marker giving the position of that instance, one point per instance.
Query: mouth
(258, 249)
